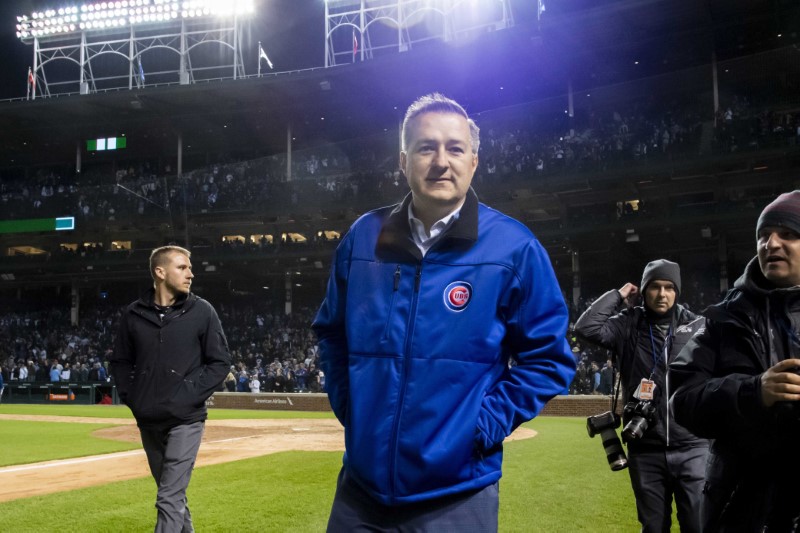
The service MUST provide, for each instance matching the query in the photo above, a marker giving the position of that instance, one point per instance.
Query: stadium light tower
(127, 29)
(357, 29)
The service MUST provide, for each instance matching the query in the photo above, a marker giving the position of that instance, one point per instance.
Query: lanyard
(656, 354)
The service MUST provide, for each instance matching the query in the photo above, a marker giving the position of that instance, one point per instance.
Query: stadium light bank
(123, 14)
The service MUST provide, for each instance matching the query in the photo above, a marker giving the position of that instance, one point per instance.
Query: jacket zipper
(666, 386)
(668, 342)
(391, 303)
(403, 382)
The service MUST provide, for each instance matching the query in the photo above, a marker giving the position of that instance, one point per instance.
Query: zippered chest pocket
(378, 303)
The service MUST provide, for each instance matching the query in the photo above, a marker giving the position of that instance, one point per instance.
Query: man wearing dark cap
(664, 458)
(737, 382)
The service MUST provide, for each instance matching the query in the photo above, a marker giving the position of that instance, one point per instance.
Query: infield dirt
(223, 441)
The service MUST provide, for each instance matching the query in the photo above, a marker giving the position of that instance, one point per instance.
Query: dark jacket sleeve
(711, 398)
(216, 357)
(600, 325)
(123, 360)
(329, 325)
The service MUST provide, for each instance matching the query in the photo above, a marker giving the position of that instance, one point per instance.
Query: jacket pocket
(185, 398)
(141, 389)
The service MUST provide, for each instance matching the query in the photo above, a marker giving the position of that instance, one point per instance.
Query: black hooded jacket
(166, 368)
(628, 335)
(751, 479)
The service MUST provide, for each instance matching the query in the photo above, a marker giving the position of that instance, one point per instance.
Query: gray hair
(438, 103)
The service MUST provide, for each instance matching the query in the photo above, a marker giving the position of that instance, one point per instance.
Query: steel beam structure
(357, 29)
(182, 51)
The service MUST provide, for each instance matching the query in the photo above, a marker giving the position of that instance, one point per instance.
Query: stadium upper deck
(512, 79)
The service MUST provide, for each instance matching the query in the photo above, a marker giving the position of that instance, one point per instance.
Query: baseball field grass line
(121, 411)
(62, 462)
(557, 482)
(25, 442)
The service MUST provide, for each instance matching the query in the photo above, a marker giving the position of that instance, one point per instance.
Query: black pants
(657, 474)
(356, 511)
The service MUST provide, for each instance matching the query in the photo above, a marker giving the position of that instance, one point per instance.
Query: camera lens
(614, 452)
(635, 428)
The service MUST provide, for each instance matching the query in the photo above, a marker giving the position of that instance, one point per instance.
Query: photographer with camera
(737, 382)
(664, 458)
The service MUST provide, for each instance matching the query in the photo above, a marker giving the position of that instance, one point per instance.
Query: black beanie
(661, 269)
(783, 212)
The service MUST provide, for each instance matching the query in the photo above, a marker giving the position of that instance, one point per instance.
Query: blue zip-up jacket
(431, 362)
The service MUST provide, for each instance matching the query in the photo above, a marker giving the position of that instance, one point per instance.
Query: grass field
(121, 411)
(558, 481)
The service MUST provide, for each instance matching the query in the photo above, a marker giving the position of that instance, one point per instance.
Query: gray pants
(356, 511)
(171, 454)
(656, 475)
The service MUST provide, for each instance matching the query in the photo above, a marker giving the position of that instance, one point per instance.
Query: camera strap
(616, 394)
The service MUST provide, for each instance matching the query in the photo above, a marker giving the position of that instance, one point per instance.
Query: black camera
(606, 425)
(640, 415)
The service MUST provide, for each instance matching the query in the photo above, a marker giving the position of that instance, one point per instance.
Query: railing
(60, 392)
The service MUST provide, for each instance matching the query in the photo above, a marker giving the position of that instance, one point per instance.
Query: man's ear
(159, 273)
(403, 160)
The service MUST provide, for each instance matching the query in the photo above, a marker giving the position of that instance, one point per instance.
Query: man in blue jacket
(170, 355)
(443, 329)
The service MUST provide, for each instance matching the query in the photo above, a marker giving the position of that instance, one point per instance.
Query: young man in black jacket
(664, 458)
(737, 382)
(170, 356)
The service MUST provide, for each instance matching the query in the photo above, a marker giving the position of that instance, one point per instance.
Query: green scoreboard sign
(109, 143)
(37, 224)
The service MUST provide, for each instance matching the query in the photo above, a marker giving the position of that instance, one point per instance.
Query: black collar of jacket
(148, 300)
(395, 239)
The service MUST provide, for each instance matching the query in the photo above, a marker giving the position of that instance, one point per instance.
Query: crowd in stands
(274, 349)
(270, 350)
(275, 352)
(531, 146)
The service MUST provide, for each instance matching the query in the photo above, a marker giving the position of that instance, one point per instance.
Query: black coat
(627, 335)
(751, 479)
(165, 370)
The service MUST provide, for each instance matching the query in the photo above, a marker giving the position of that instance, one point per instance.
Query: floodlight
(120, 13)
